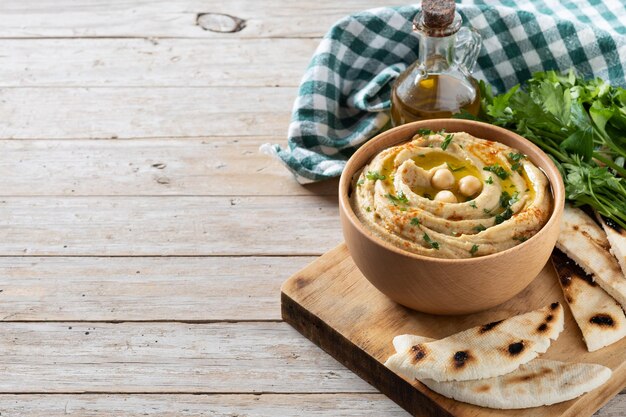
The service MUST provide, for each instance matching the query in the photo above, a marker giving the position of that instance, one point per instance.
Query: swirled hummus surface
(452, 196)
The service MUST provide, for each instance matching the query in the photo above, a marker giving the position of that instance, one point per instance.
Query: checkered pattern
(343, 98)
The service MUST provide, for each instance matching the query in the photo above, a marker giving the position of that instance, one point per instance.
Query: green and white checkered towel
(343, 99)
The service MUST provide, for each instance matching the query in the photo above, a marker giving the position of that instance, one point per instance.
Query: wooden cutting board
(331, 303)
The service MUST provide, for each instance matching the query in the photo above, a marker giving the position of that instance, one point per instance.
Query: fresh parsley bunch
(580, 123)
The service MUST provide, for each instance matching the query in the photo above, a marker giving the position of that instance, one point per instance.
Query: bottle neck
(436, 54)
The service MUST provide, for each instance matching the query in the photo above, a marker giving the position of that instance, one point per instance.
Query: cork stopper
(438, 13)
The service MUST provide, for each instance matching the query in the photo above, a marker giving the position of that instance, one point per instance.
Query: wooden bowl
(448, 286)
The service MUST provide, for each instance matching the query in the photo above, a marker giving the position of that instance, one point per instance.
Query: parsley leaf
(446, 141)
(424, 132)
(453, 169)
(472, 204)
(580, 123)
(498, 170)
(398, 199)
(415, 221)
(516, 157)
(506, 215)
(489, 180)
(431, 243)
(360, 182)
(474, 249)
(480, 228)
(374, 175)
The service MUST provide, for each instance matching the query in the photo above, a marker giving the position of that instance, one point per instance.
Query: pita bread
(599, 317)
(584, 242)
(539, 382)
(617, 239)
(482, 352)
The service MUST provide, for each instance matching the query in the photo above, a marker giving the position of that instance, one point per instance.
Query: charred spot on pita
(460, 358)
(418, 353)
(516, 348)
(554, 306)
(483, 388)
(568, 270)
(542, 327)
(549, 318)
(609, 222)
(530, 376)
(566, 280)
(603, 320)
(489, 326)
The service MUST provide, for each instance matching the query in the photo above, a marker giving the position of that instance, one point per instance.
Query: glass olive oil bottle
(439, 84)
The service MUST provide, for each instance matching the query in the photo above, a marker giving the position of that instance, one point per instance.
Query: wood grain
(126, 289)
(332, 304)
(214, 405)
(166, 358)
(167, 226)
(126, 62)
(145, 18)
(34, 113)
(142, 167)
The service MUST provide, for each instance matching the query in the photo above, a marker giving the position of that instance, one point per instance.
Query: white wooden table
(143, 238)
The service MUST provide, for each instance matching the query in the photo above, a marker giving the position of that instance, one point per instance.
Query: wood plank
(166, 358)
(205, 166)
(143, 289)
(163, 63)
(168, 226)
(219, 405)
(58, 113)
(334, 305)
(145, 18)
(214, 405)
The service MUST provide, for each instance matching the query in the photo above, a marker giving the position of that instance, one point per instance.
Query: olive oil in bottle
(439, 84)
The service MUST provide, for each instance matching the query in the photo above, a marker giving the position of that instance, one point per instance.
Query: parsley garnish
(415, 221)
(489, 180)
(507, 200)
(506, 215)
(498, 170)
(424, 132)
(446, 142)
(399, 199)
(374, 175)
(368, 209)
(472, 204)
(453, 169)
(431, 243)
(360, 182)
(480, 228)
(474, 249)
(516, 157)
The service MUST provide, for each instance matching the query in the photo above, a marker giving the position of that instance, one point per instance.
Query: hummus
(452, 196)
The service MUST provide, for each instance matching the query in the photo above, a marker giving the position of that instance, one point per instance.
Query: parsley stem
(610, 163)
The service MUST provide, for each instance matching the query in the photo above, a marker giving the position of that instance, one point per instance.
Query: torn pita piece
(617, 239)
(486, 351)
(600, 318)
(537, 383)
(583, 241)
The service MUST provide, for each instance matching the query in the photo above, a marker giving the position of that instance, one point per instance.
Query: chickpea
(442, 179)
(446, 196)
(469, 185)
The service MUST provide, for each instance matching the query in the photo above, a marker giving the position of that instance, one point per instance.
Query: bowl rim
(552, 173)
